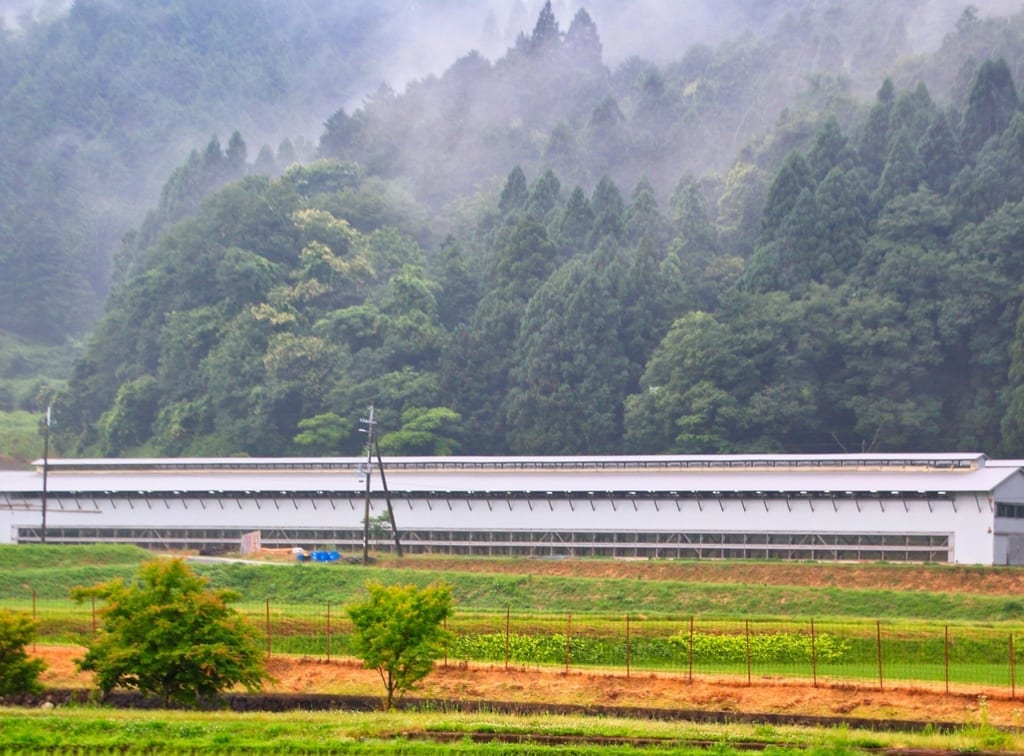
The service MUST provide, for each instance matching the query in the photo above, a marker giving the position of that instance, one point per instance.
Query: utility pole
(368, 430)
(46, 468)
(387, 496)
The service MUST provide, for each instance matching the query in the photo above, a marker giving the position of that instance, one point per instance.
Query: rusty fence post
(267, 604)
(1013, 669)
(878, 643)
(568, 643)
(746, 631)
(690, 653)
(945, 656)
(627, 647)
(814, 655)
(508, 636)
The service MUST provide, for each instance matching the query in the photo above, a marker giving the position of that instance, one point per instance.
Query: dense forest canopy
(732, 251)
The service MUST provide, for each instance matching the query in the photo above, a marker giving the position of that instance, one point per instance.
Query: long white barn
(899, 507)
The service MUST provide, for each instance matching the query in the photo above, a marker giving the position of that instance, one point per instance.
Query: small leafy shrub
(18, 673)
(398, 630)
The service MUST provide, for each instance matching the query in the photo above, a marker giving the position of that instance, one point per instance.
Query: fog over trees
(588, 228)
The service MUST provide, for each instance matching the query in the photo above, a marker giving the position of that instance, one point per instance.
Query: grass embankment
(90, 730)
(729, 628)
(50, 571)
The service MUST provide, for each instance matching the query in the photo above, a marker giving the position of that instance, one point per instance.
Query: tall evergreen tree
(844, 213)
(695, 234)
(571, 373)
(515, 193)
(941, 154)
(543, 197)
(576, 224)
(904, 170)
(583, 43)
(991, 103)
(609, 209)
(643, 218)
(793, 178)
(873, 142)
(829, 150)
(546, 37)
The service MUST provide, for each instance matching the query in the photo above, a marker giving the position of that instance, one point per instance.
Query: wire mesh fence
(963, 659)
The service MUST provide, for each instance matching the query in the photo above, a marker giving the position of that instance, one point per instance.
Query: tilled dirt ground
(481, 683)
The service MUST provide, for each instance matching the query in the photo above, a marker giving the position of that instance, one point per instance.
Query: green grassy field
(93, 730)
(732, 629)
(498, 615)
(50, 571)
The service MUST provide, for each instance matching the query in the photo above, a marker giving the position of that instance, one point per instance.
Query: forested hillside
(98, 104)
(101, 99)
(536, 255)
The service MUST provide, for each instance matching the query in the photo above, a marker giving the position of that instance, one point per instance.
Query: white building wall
(966, 519)
(965, 516)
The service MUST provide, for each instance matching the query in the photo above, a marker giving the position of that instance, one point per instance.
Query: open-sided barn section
(898, 507)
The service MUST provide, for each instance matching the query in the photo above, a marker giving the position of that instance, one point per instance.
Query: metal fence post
(878, 636)
(34, 619)
(945, 657)
(328, 629)
(1013, 669)
(568, 643)
(746, 630)
(690, 661)
(268, 625)
(814, 656)
(508, 637)
(627, 647)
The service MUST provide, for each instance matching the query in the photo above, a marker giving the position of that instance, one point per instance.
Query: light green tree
(323, 434)
(425, 431)
(18, 673)
(167, 633)
(399, 632)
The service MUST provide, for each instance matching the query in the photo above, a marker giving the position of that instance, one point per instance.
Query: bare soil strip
(303, 683)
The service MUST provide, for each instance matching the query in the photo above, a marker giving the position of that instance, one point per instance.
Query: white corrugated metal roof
(958, 459)
(864, 480)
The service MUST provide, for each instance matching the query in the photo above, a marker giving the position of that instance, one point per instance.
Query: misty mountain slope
(551, 101)
(842, 313)
(98, 104)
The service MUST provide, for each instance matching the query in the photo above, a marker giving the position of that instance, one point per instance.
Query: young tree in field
(399, 632)
(18, 673)
(168, 634)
